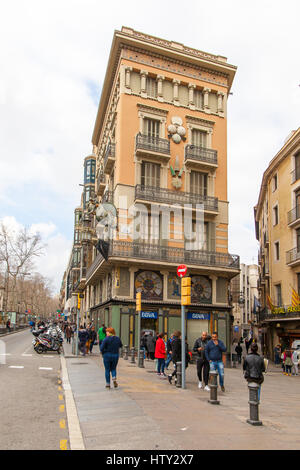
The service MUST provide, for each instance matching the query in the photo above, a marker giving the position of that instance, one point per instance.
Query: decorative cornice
(152, 109)
(193, 119)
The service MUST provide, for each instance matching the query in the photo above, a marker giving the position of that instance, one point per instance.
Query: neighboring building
(244, 291)
(160, 140)
(277, 217)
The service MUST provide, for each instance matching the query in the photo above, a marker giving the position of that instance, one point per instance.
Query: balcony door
(150, 174)
(198, 183)
(199, 138)
(151, 128)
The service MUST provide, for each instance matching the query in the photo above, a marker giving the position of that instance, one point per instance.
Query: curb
(75, 435)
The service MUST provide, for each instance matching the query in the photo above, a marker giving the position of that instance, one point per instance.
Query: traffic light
(138, 301)
(186, 283)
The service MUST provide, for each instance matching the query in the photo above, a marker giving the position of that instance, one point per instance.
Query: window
(275, 212)
(298, 283)
(275, 181)
(151, 127)
(278, 295)
(150, 174)
(297, 167)
(199, 138)
(198, 183)
(298, 239)
(277, 251)
(151, 87)
(198, 99)
(89, 171)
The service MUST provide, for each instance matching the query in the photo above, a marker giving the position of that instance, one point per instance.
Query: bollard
(254, 403)
(213, 376)
(126, 353)
(234, 361)
(132, 361)
(178, 374)
(141, 358)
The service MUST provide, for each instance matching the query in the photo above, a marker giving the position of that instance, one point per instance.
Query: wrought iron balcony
(293, 256)
(152, 144)
(168, 196)
(109, 158)
(108, 196)
(201, 155)
(158, 253)
(101, 183)
(294, 216)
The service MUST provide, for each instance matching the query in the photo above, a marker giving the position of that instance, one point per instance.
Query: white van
(296, 344)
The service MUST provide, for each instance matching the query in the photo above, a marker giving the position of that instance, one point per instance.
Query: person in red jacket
(160, 355)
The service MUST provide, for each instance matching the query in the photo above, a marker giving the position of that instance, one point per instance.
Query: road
(32, 415)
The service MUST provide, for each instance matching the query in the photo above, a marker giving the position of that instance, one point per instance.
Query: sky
(53, 58)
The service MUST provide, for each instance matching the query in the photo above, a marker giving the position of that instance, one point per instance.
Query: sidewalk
(146, 412)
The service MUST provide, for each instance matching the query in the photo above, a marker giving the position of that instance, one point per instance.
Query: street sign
(181, 270)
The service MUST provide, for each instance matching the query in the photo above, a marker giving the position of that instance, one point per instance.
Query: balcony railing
(108, 196)
(294, 215)
(109, 158)
(100, 182)
(153, 144)
(167, 196)
(293, 255)
(169, 254)
(201, 154)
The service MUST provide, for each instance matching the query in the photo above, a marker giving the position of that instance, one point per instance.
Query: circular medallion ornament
(149, 284)
(201, 288)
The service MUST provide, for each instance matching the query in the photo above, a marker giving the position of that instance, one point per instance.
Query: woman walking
(160, 355)
(109, 348)
(288, 363)
(68, 333)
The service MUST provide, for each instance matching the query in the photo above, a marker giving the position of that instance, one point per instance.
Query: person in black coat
(239, 351)
(176, 354)
(254, 366)
(92, 338)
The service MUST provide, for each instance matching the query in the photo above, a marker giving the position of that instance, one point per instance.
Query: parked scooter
(48, 339)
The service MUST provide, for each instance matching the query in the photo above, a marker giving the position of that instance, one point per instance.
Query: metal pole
(139, 336)
(77, 328)
(182, 346)
(254, 404)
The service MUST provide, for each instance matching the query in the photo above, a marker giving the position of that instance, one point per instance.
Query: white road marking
(5, 354)
(16, 367)
(46, 368)
(26, 355)
(47, 356)
(30, 347)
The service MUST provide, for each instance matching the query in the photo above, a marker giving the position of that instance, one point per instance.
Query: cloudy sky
(53, 59)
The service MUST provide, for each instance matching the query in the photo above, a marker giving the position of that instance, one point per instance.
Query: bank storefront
(162, 319)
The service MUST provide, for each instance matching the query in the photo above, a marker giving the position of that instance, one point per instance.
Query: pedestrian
(160, 355)
(93, 337)
(151, 346)
(295, 359)
(239, 350)
(68, 333)
(101, 334)
(288, 363)
(254, 366)
(202, 362)
(110, 349)
(83, 337)
(176, 355)
(143, 344)
(169, 351)
(213, 353)
(277, 352)
(8, 325)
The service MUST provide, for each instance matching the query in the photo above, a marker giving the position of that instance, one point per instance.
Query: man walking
(202, 362)
(213, 353)
(101, 334)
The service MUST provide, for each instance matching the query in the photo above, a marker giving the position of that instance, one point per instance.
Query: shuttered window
(199, 138)
(151, 87)
(198, 183)
(150, 174)
(151, 127)
(198, 99)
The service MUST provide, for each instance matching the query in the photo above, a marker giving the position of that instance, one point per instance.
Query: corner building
(160, 139)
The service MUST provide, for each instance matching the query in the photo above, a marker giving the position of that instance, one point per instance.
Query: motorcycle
(47, 339)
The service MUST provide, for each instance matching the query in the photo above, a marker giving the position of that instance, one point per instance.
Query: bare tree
(17, 253)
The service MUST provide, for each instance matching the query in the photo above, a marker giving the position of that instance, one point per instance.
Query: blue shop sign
(149, 315)
(198, 316)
